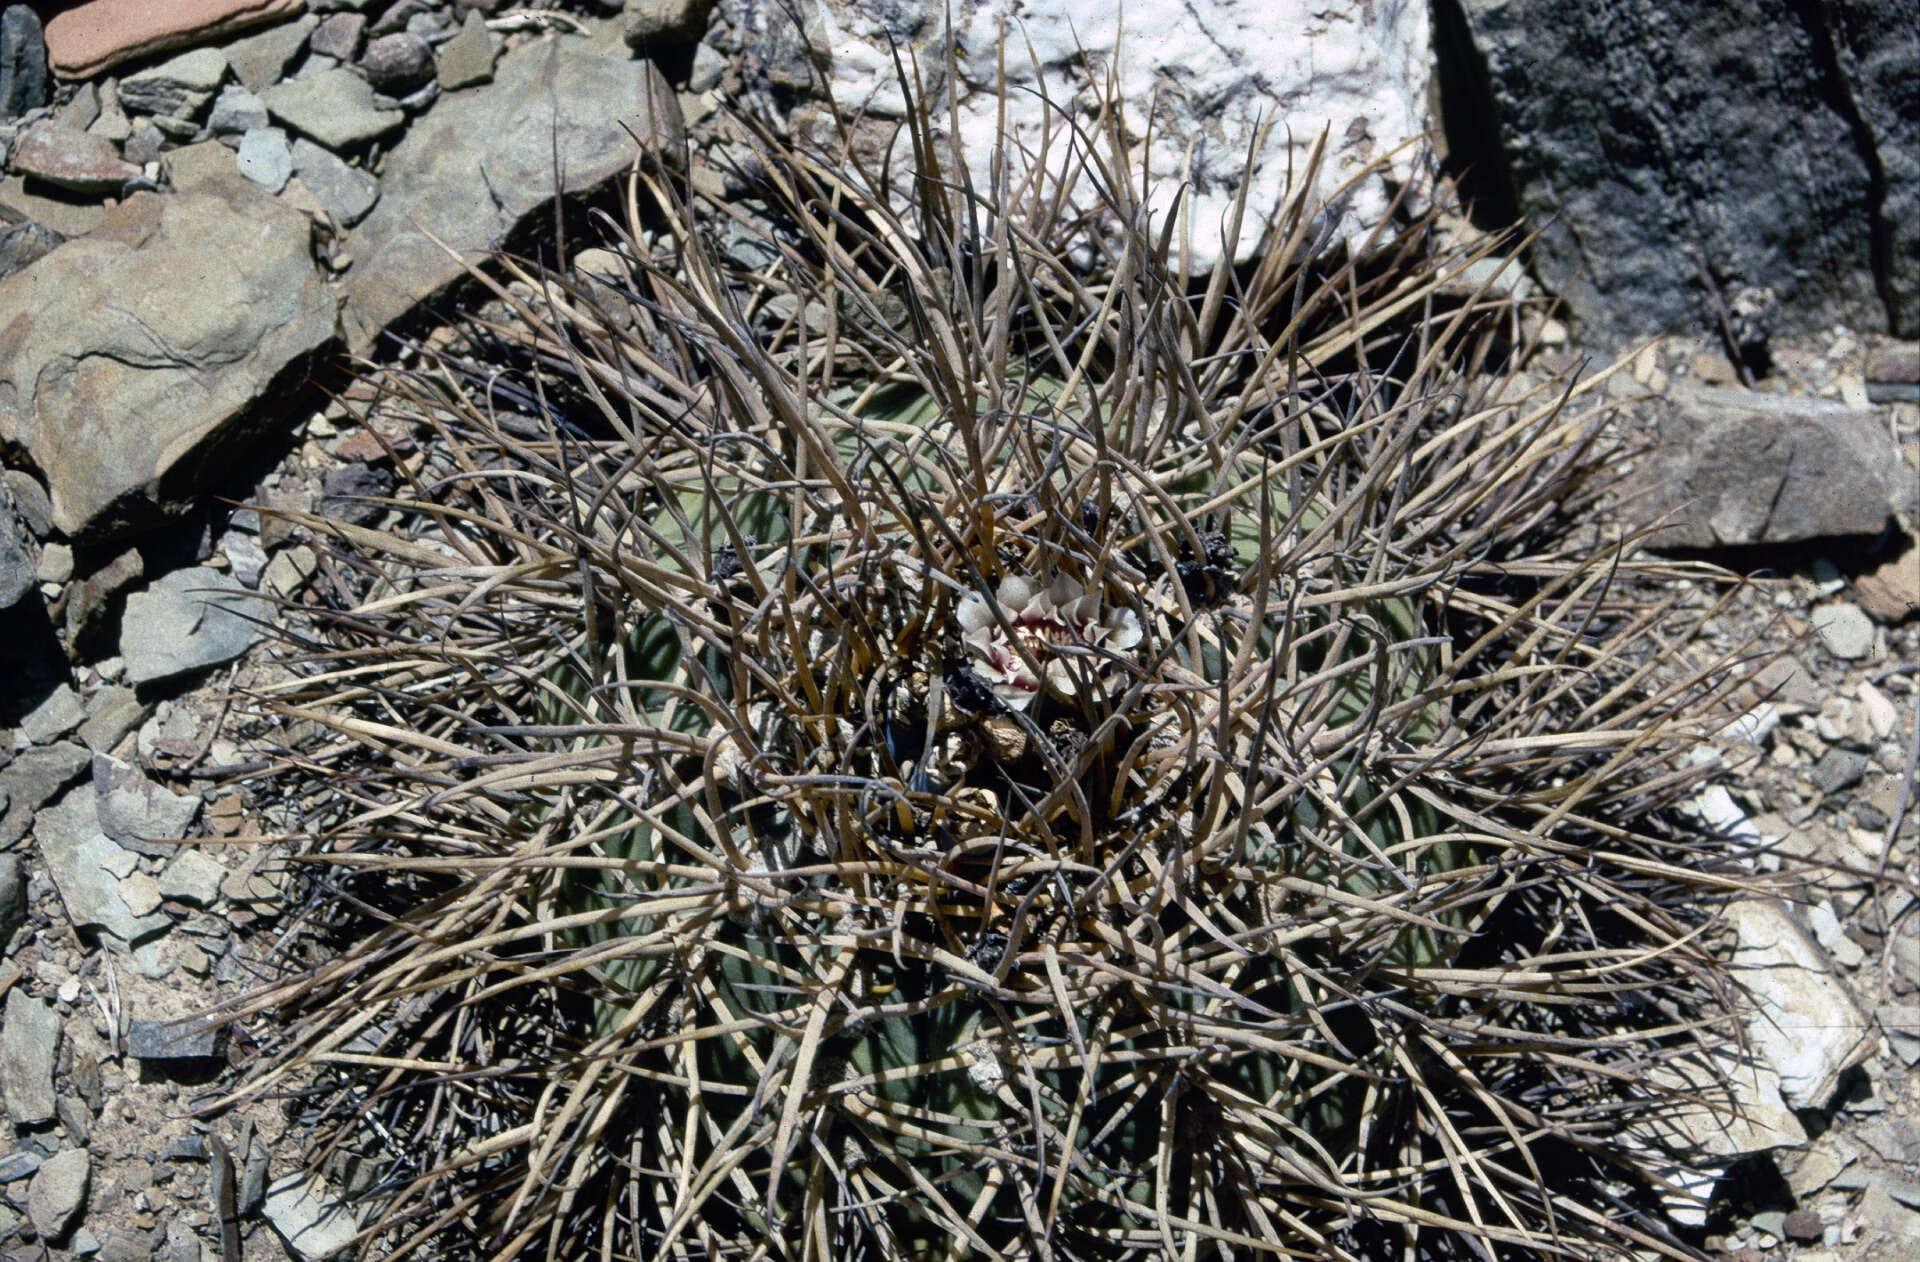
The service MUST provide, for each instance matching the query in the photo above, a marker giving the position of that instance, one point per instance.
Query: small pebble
(1845, 630)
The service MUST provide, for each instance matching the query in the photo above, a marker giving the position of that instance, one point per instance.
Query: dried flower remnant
(1063, 615)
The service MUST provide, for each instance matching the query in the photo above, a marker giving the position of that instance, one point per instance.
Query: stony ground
(143, 742)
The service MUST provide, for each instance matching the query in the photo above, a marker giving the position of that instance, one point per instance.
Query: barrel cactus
(945, 738)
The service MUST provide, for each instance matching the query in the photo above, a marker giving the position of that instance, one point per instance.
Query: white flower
(1045, 620)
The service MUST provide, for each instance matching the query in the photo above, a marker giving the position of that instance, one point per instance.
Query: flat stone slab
(87, 868)
(477, 162)
(1738, 468)
(128, 355)
(1805, 1025)
(187, 620)
(28, 1044)
(335, 107)
(87, 38)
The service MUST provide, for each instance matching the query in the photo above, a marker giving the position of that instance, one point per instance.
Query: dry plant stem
(1304, 889)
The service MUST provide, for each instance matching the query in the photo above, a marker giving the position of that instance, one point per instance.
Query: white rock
(1756, 724)
(1711, 1126)
(1804, 1024)
(1826, 930)
(1880, 712)
(1203, 77)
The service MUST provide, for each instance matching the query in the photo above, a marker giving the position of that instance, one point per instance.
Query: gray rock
(178, 87)
(20, 1164)
(397, 64)
(1777, 142)
(13, 898)
(145, 144)
(658, 25)
(70, 159)
(29, 1043)
(335, 107)
(259, 60)
(1839, 769)
(30, 501)
(1803, 1024)
(82, 109)
(34, 778)
(22, 245)
(137, 813)
(547, 97)
(23, 62)
(236, 110)
(168, 1040)
(709, 66)
(338, 36)
(180, 311)
(1845, 630)
(88, 867)
(188, 620)
(346, 191)
(111, 714)
(17, 570)
(1738, 468)
(65, 215)
(59, 1191)
(309, 1218)
(468, 57)
(112, 124)
(194, 877)
(265, 158)
(53, 718)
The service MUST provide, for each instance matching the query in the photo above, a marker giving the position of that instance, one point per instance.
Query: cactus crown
(957, 741)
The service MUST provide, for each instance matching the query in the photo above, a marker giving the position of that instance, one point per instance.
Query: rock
(397, 64)
(236, 110)
(112, 124)
(709, 67)
(87, 602)
(168, 1040)
(178, 87)
(30, 501)
(64, 215)
(1804, 1025)
(1723, 1108)
(1881, 1215)
(1890, 592)
(1845, 630)
(22, 245)
(338, 36)
(71, 159)
(1738, 468)
(504, 141)
(87, 867)
(137, 813)
(265, 158)
(468, 57)
(56, 563)
(188, 620)
(347, 192)
(58, 1191)
(82, 109)
(194, 877)
(1202, 76)
(53, 718)
(181, 311)
(1893, 373)
(20, 1164)
(260, 60)
(17, 570)
(652, 26)
(29, 1042)
(335, 107)
(111, 714)
(23, 62)
(89, 37)
(1643, 139)
(34, 778)
(1839, 769)
(146, 144)
(13, 897)
(312, 1222)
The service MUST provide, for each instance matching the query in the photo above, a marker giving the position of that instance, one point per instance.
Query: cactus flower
(1044, 620)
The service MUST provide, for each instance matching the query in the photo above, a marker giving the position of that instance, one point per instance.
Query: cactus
(962, 743)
